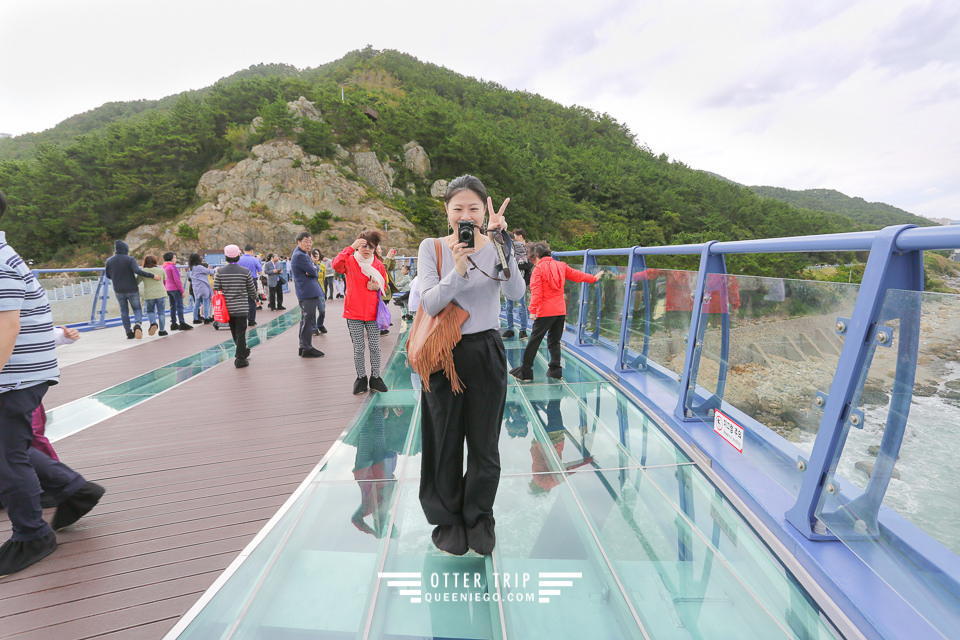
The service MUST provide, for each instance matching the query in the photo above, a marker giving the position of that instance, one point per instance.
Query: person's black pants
(552, 328)
(238, 329)
(276, 295)
(328, 287)
(251, 311)
(308, 321)
(23, 469)
(447, 495)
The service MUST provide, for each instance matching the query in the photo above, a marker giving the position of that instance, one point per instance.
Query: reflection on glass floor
(604, 530)
(73, 417)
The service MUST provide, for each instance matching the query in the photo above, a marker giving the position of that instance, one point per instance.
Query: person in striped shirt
(28, 366)
(238, 289)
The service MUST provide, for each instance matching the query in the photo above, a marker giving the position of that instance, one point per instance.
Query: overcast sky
(862, 96)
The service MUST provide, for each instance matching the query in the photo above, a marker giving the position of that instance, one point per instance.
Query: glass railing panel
(317, 553)
(923, 332)
(683, 583)
(604, 311)
(662, 301)
(768, 346)
(571, 292)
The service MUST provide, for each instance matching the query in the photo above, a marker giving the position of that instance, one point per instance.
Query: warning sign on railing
(728, 430)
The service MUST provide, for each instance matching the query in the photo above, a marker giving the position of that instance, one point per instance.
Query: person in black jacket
(122, 269)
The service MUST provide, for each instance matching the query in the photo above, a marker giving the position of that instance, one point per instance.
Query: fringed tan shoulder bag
(432, 339)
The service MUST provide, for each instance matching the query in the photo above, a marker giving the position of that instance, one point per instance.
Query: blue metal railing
(895, 263)
(98, 307)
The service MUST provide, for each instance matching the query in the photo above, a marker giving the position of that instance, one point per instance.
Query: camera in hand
(465, 232)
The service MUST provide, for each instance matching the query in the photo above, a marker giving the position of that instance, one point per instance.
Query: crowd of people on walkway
(483, 275)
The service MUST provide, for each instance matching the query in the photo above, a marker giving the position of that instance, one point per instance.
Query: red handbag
(220, 313)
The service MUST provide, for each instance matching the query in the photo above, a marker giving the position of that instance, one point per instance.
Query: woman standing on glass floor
(461, 505)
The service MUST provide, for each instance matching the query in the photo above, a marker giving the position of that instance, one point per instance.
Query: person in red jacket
(366, 281)
(547, 304)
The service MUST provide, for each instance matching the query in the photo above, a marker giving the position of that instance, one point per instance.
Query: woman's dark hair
(315, 252)
(520, 232)
(149, 261)
(463, 183)
(538, 249)
(168, 256)
(372, 236)
(194, 260)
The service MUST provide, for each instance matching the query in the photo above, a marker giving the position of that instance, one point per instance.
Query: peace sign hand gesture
(497, 221)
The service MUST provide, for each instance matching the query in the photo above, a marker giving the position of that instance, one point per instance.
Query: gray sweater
(475, 292)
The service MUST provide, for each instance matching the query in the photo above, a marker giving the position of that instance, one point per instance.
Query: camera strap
(504, 261)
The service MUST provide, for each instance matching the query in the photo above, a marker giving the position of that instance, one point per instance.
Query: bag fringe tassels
(433, 338)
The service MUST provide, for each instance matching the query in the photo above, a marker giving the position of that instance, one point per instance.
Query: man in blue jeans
(123, 270)
(520, 247)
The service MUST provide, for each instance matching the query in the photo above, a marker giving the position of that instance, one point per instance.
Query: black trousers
(447, 495)
(308, 321)
(328, 287)
(23, 469)
(552, 327)
(276, 295)
(238, 329)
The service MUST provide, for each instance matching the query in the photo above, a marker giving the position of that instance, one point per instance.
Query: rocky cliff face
(263, 201)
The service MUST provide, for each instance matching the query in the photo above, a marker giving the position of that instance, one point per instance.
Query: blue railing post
(103, 293)
(887, 268)
(709, 263)
(588, 261)
(626, 317)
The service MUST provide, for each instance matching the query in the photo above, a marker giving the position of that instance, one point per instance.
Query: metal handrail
(895, 262)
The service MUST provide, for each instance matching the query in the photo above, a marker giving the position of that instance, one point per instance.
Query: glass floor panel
(604, 530)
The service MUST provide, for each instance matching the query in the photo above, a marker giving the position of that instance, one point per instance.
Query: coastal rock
(867, 468)
(416, 159)
(438, 188)
(302, 108)
(370, 169)
(264, 200)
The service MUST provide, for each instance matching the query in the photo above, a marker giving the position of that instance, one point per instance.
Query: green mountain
(99, 119)
(575, 177)
(872, 215)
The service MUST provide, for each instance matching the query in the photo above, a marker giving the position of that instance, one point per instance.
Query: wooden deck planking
(191, 476)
